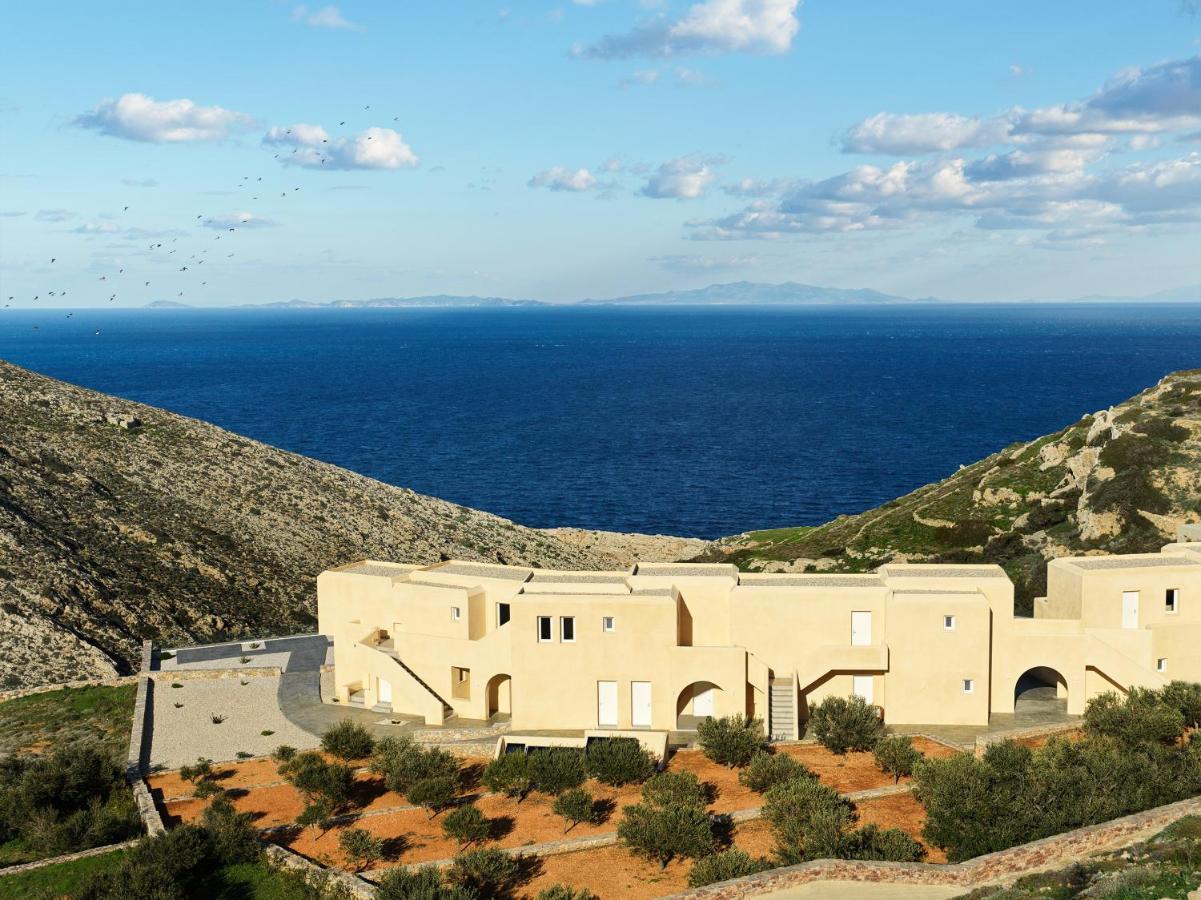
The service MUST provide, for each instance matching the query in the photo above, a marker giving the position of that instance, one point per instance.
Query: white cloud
(137, 117)
(325, 17)
(685, 178)
(236, 220)
(711, 26)
(312, 147)
(54, 215)
(640, 77)
(97, 228)
(899, 134)
(683, 263)
(560, 178)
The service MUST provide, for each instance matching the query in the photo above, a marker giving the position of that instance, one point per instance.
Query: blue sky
(562, 150)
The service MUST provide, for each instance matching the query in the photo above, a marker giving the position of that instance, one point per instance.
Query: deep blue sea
(688, 421)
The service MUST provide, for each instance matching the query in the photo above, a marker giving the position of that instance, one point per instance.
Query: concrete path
(864, 890)
(299, 653)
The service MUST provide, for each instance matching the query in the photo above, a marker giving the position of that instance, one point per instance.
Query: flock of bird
(189, 277)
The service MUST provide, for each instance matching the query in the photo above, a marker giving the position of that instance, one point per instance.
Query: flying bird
(53, 258)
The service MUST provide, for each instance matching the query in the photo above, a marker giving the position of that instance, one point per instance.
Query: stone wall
(139, 746)
(281, 858)
(983, 741)
(66, 858)
(87, 682)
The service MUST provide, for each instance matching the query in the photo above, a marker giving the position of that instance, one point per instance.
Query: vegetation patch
(69, 717)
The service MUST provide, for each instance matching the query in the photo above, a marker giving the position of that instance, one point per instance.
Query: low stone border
(984, 741)
(119, 681)
(215, 674)
(282, 858)
(66, 858)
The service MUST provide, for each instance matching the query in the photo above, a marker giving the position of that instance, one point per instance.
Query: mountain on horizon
(752, 293)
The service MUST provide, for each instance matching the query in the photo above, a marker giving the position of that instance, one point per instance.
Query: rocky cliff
(180, 531)
(1119, 481)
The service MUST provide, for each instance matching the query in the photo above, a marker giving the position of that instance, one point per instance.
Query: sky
(254, 151)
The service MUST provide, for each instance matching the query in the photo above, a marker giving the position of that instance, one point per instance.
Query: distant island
(737, 293)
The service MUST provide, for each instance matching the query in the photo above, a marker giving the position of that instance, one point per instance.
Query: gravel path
(182, 734)
(299, 653)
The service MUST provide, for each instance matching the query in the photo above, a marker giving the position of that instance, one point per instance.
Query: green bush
(160, 868)
(565, 892)
(403, 762)
(724, 866)
(1163, 429)
(556, 769)
(1141, 716)
(434, 794)
(618, 761)
(232, 834)
(326, 787)
(348, 740)
(488, 872)
(424, 883)
(509, 774)
(662, 833)
(676, 789)
(361, 847)
(202, 769)
(889, 844)
(1185, 698)
(283, 753)
(574, 806)
(846, 723)
(731, 740)
(766, 770)
(896, 756)
(467, 825)
(808, 819)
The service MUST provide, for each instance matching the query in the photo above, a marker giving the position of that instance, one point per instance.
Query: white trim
(1161, 664)
(948, 622)
(550, 628)
(563, 620)
(608, 624)
(969, 685)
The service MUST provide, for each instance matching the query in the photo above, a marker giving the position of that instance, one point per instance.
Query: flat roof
(810, 580)
(937, 571)
(1129, 562)
(386, 570)
(482, 570)
(686, 570)
(550, 576)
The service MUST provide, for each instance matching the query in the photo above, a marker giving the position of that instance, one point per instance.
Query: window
(454, 614)
(968, 685)
(1161, 665)
(607, 624)
(567, 629)
(460, 683)
(948, 622)
(1170, 599)
(544, 629)
(502, 614)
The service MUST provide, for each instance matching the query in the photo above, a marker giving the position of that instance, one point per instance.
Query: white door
(861, 686)
(861, 628)
(1130, 609)
(702, 703)
(384, 689)
(640, 704)
(606, 703)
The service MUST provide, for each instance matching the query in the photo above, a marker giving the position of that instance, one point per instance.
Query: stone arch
(499, 694)
(696, 702)
(1040, 687)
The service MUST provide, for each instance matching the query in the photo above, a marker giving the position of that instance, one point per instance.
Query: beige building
(662, 645)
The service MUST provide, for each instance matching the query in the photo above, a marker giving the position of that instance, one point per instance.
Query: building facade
(662, 645)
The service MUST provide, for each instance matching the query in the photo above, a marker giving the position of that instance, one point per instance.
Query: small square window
(948, 622)
(1161, 664)
(968, 685)
(502, 614)
(1170, 600)
(607, 624)
(567, 629)
(544, 629)
(454, 614)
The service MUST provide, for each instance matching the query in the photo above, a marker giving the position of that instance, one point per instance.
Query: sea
(703, 421)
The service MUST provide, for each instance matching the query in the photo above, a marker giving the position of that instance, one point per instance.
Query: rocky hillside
(181, 531)
(1118, 481)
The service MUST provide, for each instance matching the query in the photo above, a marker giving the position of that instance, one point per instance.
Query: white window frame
(550, 628)
(948, 622)
(1171, 601)
(608, 624)
(563, 620)
(969, 685)
(1161, 664)
(455, 613)
(499, 623)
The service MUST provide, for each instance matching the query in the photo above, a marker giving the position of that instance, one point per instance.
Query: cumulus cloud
(236, 220)
(900, 135)
(685, 178)
(311, 146)
(137, 117)
(560, 178)
(712, 26)
(324, 17)
(684, 263)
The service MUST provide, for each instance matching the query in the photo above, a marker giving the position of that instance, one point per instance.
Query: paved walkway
(1035, 707)
(299, 653)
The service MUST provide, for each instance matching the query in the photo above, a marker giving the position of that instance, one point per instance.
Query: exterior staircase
(447, 710)
(782, 709)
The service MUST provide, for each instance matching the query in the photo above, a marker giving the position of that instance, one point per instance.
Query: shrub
(434, 794)
(724, 866)
(283, 753)
(361, 847)
(1163, 429)
(846, 723)
(675, 789)
(566, 892)
(574, 806)
(403, 762)
(232, 834)
(348, 740)
(889, 844)
(318, 780)
(808, 818)
(267, 732)
(216, 718)
(203, 769)
(242, 754)
(766, 770)
(662, 833)
(317, 811)
(160, 867)
(731, 740)
(896, 756)
(618, 761)
(509, 774)
(467, 825)
(488, 872)
(1185, 698)
(1141, 716)
(556, 769)
(205, 789)
(419, 884)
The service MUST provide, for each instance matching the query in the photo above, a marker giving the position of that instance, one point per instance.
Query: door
(640, 704)
(702, 703)
(861, 629)
(1130, 609)
(384, 689)
(606, 704)
(861, 686)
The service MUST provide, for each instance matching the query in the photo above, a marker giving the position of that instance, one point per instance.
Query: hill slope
(1119, 481)
(182, 531)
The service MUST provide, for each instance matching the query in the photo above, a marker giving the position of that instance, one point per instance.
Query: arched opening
(1040, 694)
(499, 694)
(696, 703)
